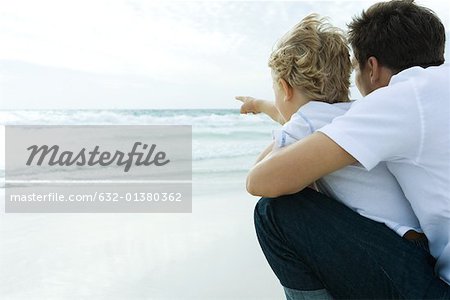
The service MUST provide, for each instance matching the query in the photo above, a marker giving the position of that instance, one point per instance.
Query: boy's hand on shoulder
(249, 105)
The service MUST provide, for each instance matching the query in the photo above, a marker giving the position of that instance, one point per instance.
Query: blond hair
(314, 58)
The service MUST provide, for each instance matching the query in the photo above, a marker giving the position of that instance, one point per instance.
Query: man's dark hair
(399, 34)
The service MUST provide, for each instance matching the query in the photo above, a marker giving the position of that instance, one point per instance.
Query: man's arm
(256, 106)
(295, 167)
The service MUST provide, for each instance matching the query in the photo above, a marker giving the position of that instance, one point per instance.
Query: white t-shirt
(369, 193)
(407, 124)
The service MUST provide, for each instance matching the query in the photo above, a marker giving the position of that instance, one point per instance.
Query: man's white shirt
(407, 125)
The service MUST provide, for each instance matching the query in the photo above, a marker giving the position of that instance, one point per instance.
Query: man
(315, 244)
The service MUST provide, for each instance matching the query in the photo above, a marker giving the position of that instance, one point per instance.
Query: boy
(310, 71)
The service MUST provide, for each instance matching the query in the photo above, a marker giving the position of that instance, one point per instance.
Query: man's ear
(287, 89)
(378, 74)
(374, 69)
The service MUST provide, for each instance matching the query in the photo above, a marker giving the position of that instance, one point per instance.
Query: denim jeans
(313, 242)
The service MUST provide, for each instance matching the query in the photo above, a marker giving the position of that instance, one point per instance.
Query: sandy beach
(209, 254)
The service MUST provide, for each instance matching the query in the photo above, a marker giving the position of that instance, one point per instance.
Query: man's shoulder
(430, 75)
(413, 87)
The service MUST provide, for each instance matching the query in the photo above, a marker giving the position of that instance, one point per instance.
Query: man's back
(407, 124)
(425, 178)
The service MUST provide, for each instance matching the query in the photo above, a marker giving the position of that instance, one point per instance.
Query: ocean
(224, 142)
(211, 253)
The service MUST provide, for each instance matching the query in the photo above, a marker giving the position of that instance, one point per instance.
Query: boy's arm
(295, 167)
(265, 153)
(256, 106)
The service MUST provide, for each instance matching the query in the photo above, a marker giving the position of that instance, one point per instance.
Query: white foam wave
(221, 138)
(212, 118)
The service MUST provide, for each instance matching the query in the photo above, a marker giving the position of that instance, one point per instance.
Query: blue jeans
(313, 242)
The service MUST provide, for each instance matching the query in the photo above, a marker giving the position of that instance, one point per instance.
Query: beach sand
(211, 253)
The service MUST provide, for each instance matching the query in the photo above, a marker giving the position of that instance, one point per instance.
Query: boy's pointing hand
(248, 105)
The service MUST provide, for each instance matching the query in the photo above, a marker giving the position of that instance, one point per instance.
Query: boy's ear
(287, 89)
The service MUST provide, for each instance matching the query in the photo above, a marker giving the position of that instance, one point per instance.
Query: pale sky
(136, 54)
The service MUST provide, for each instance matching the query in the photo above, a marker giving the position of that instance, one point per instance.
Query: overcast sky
(148, 54)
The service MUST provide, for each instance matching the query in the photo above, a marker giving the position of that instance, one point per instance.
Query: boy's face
(280, 104)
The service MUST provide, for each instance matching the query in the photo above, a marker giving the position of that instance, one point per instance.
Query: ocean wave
(211, 118)
(226, 133)
(223, 141)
